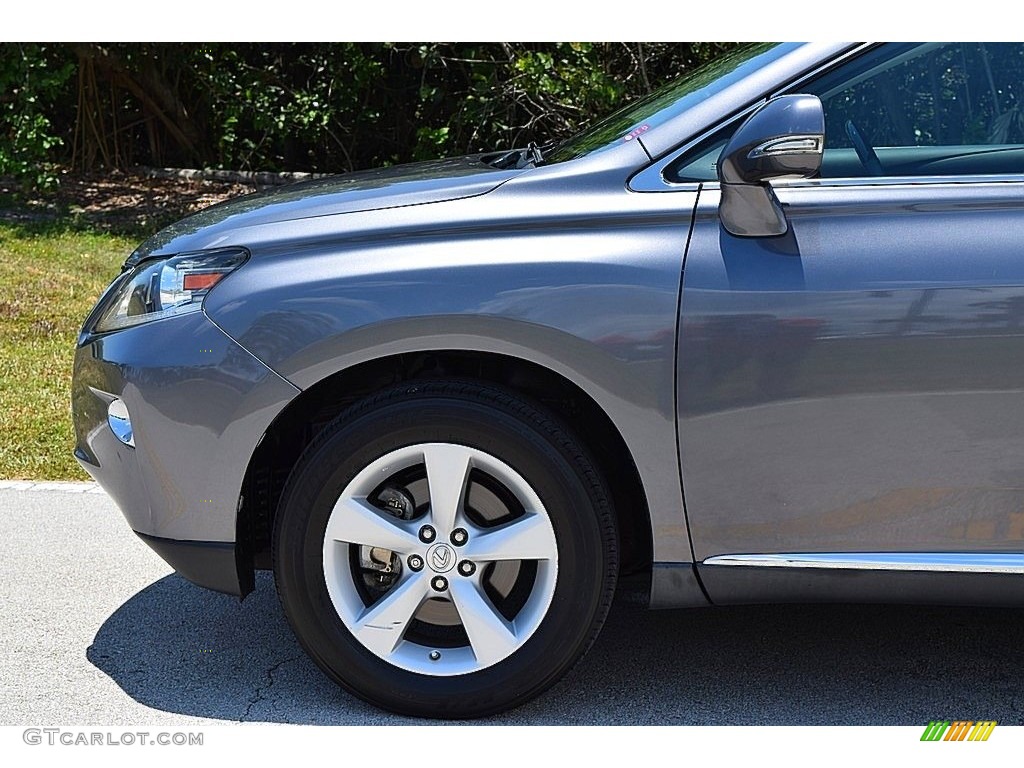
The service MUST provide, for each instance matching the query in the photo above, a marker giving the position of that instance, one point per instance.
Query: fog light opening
(120, 422)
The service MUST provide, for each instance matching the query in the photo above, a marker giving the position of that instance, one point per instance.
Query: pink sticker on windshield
(636, 132)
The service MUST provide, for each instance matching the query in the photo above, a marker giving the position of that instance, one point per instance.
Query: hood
(413, 184)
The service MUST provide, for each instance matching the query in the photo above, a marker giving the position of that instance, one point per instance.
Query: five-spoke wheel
(473, 549)
(445, 549)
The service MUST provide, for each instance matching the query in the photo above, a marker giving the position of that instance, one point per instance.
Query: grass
(50, 276)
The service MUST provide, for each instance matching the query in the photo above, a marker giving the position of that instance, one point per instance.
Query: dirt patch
(117, 201)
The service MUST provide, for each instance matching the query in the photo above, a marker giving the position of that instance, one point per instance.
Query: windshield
(638, 117)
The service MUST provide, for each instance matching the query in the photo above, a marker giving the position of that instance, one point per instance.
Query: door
(851, 394)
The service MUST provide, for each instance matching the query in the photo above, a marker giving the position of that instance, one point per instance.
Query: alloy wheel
(440, 559)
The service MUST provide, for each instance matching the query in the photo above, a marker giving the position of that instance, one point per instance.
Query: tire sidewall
(549, 464)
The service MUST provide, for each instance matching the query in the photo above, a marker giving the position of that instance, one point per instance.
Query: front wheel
(445, 549)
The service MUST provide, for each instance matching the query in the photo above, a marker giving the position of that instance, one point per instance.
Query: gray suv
(756, 338)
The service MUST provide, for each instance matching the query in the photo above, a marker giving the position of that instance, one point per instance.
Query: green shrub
(32, 76)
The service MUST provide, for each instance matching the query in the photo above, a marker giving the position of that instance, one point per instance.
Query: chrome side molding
(947, 562)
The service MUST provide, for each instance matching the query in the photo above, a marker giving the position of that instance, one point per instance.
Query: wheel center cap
(441, 558)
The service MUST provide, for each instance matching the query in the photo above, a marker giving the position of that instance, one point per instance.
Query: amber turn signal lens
(201, 281)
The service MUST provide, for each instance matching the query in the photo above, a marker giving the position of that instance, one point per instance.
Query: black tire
(522, 435)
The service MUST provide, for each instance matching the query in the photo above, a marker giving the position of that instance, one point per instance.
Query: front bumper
(199, 404)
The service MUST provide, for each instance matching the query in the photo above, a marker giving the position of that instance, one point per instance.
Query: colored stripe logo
(958, 730)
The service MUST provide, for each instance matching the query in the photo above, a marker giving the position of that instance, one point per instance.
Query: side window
(701, 162)
(934, 109)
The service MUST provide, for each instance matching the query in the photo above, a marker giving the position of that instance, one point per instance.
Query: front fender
(592, 298)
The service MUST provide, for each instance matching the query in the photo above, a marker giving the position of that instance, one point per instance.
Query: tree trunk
(156, 97)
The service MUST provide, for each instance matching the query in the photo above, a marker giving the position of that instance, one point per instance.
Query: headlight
(165, 287)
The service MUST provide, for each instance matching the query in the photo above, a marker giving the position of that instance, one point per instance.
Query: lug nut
(435, 655)
(439, 583)
(427, 534)
(466, 568)
(459, 537)
(416, 562)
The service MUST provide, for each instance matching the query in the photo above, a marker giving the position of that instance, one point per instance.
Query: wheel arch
(308, 413)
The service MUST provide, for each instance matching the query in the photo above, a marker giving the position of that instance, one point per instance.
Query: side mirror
(785, 136)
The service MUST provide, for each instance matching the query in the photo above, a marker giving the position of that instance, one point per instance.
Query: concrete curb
(61, 486)
(256, 178)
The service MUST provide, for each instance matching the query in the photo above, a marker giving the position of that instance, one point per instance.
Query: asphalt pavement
(96, 630)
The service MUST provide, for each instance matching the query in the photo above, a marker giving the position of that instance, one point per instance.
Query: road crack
(260, 691)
